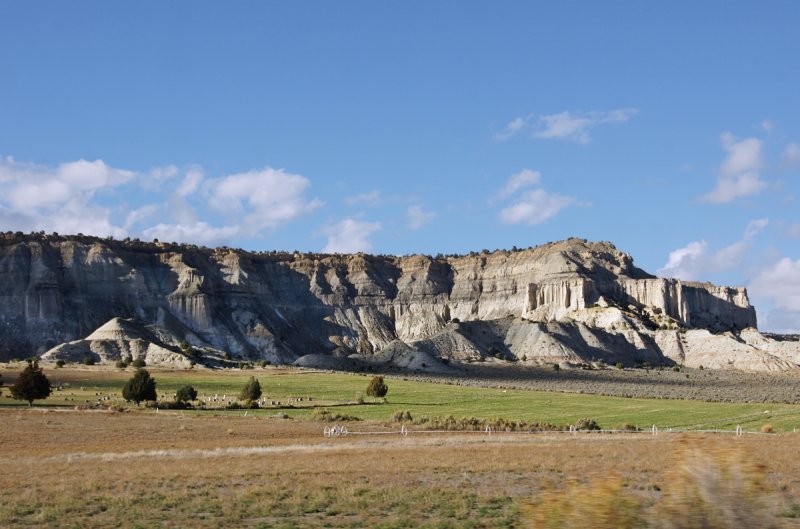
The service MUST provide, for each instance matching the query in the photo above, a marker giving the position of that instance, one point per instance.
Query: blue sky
(671, 129)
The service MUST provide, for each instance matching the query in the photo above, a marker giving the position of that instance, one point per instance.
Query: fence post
(655, 430)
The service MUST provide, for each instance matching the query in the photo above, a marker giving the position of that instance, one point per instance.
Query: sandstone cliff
(569, 301)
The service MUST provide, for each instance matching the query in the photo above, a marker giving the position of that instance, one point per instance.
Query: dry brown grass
(146, 469)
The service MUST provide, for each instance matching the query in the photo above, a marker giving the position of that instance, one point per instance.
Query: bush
(251, 391)
(767, 428)
(628, 427)
(586, 424)
(141, 386)
(121, 364)
(402, 416)
(60, 363)
(327, 416)
(186, 394)
(556, 367)
(620, 365)
(139, 363)
(88, 360)
(32, 384)
(377, 387)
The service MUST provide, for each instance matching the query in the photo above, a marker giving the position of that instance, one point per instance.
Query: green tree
(31, 384)
(251, 391)
(141, 386)
(377, 387)
(186, 394)
(139, 362)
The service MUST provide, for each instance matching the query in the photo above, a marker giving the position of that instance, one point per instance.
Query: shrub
(377, 387)
(88, 360)
(620, 365)
(556, 367)
(141, 386)
(402, 416)
(251, 390)
(186, 394)
(121, 364)
(32, 384)
(60, 363)
(767, 428)
(627, 427)
(139, 363)
(586, 424)
(327, 416)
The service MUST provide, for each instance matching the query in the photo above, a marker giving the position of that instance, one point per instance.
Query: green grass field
(340, 392)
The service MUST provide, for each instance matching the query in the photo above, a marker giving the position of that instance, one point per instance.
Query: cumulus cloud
(350, 236)
(778, 286)
(262, 199)
(791, 156)
(95, 198)
(575, 126)
(511, 129)
(696, 260)
(533, 206)
(418, 217)
(372, 198)
(60, 198)
(740, 173)
(198, 232)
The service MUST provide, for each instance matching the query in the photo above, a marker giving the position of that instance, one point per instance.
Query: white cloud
(60, 198)
(199, 232)
(575, 126)
(94, 198)
(780, 283)
(511, 129)
(155, 179)
(262, 199)
(740, 173)
(350, 236)
(418, 217)
(778, 287)
(791, 156)
(696, 261)
(533, 206)
(373, 198)
(524, 178)
(190, 183)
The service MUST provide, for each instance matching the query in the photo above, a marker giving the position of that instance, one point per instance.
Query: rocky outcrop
(569, 301)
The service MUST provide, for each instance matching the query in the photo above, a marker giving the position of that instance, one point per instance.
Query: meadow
(84, 459)
(342, 392)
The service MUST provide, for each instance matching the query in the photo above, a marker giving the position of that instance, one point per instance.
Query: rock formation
(569, 302)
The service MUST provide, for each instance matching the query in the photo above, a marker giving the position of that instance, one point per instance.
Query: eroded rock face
(567, 301)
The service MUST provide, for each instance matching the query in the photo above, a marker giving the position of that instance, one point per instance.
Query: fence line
(342, 431)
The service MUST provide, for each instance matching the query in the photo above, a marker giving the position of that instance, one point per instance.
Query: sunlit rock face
(569, 301)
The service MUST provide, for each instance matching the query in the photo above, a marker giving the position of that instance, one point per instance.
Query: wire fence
(654, 431)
